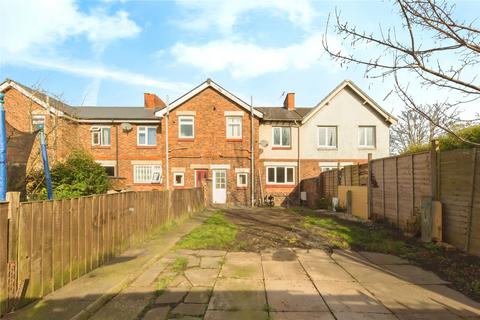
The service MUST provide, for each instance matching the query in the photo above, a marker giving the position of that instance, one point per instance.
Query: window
(280, 175)
(234, 127)
(38, 121)
(147, 136)
(110, 170)
(147, 173)
(186, 127)
(281, 136)
(367, 137)
(327, 137)
(178, 178)
(242, 179)
(100, 136)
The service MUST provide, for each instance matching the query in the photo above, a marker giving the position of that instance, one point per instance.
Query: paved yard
(287, 284)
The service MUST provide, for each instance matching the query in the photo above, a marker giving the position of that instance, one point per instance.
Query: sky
(110, 52)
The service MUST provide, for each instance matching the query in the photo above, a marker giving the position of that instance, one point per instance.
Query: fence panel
(474, 231)
(3, 257)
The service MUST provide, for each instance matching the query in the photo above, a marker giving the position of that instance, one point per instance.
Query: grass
(179, 265)
(215, 233)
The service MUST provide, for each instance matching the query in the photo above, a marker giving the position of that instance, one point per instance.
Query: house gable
(367, 101)
(207, 84)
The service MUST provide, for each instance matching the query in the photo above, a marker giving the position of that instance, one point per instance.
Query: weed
(179, 265)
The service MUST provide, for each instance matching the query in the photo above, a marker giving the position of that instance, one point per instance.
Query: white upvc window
(280, 175)
(100, 136)
(146, 173)
(327, 137)
(179, 179)
(367, 137)
(110, 170)
(146, 136)
(186, 127)
(234, 127)
(281, 136)
(242, 179)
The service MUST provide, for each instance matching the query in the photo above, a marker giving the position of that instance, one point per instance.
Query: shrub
(78, 176)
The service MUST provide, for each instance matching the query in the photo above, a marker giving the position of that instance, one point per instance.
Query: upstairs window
(234, 127)
(186, 126)
(327, 137)
(281, 137)
(147, 173)
(147, 136)
(100, 136)
(367, 137)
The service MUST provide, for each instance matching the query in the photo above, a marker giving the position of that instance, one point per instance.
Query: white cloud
(247, 60)
(87, 69)
(32, 24)
(223, 15)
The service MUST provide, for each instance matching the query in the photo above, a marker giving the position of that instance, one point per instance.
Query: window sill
(186, 139)
(367, 148)
(327, 148)
(101, 147)
(281, 148)
(234, 140)
(281, 185)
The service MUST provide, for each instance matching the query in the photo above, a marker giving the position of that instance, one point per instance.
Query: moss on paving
(215, 233)
(179, 265)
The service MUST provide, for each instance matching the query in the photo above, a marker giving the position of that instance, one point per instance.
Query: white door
(219, 186)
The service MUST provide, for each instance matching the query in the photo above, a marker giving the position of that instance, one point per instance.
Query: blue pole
(48, 178)
(3, 151)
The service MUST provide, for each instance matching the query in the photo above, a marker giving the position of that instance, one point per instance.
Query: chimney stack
(289, 102)
(152, 101)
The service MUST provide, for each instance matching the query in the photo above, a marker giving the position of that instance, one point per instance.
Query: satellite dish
(126, 127)
(263, 143)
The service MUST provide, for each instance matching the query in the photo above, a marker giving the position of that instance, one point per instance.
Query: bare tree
(429, 38)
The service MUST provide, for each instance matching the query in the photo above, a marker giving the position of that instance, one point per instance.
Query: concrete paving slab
(201, 277)
(301, 316)
(210, 253)
(405, 298)
(211, 262)
(293, 295)
(150, 275)
(180, 281)
(287, 270)
(282, 254)
(193, 261)
(428, 316)
(236, 315)
(172, 295)
(189, 309)
(414, 274)
(364, 316)
(238, 294)
(382, 258)
(349, 297)
(199, 295)
(245, 265)
(366, 273)
(314, 254)
(318, 270)
(349, 257)
(453, 300)
(157, 313)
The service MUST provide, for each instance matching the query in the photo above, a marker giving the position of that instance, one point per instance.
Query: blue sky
(110, 52)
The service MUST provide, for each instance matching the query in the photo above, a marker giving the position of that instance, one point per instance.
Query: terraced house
(210, 137)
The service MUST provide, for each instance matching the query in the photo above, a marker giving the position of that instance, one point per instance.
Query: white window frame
(275, 175)
(180, 118)
(38, 120)
(364, 132)
(239, 184)
(156, 174)
(326, 128)
(175, 174)
(228, 119)
(145, 131)
(99, 130)
(281, 137)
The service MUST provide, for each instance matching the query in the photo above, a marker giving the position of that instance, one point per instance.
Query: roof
(204, 85)
(283, 114)
(118, 113)
(348, 83)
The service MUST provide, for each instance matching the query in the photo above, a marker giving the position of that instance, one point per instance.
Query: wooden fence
(3, 256)
(55, 242)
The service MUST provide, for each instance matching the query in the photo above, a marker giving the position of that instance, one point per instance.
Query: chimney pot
(152, 101)
(289, 102)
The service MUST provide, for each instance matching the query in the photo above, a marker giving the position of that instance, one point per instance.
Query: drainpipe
(252, 156)
(298, 160)
(3, 151)
(116, 150)
(167, 182)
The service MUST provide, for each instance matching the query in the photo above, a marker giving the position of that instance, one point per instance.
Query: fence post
(470, 211)
(13, 199)
(369, 186)
(434, 170)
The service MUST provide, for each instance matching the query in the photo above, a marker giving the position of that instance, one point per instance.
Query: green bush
(78, 176)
